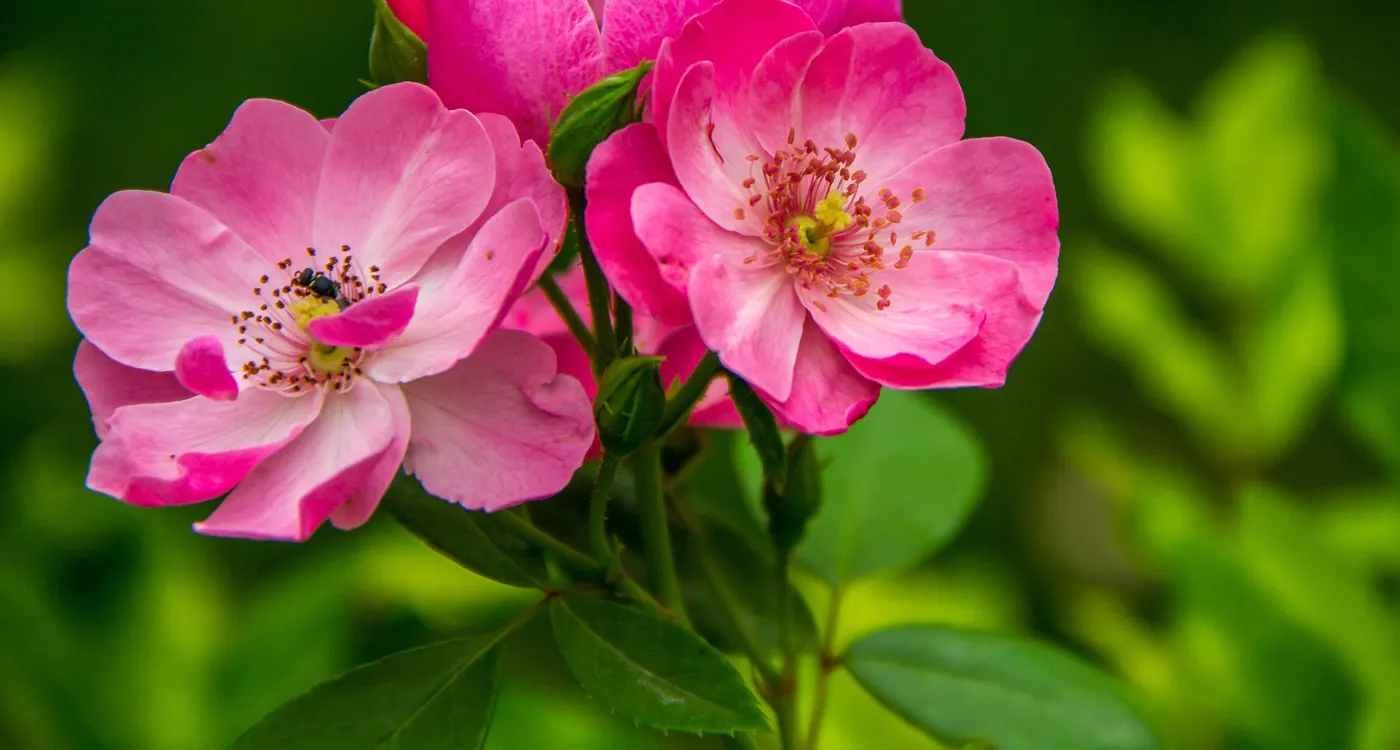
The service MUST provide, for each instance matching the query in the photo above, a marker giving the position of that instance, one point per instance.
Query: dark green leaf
(596, 113)
(1363, 215)
(898, 486)
(476, 541)
(961, 685)
(396, 54)
(651, 670)
(437, 697)
(763, 430)
(748, 573)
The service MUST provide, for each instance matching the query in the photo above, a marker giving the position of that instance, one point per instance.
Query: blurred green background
(1193, 466)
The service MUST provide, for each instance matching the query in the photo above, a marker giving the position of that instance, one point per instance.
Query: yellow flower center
(814, 232)
(321, 357)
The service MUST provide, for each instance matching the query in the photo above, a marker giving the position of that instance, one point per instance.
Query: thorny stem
(827, 664)
(678, 407)
(581, 563)
(651, 502)
(568, 313)
(599, 294)
(598, 509)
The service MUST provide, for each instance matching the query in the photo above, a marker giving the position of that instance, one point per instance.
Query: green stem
(598, 509)
(622, 321)
(599, 295)
(784, 690)
(568, 313)
(678, 407)
(580, 563)
(828, 664)
(785, 708)
(656, 534)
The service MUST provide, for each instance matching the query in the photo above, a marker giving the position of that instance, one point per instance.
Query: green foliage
(790, 508)
(651, 670)
(396, 54)
(762, 429)
(962, 685)
(898, 486)
(596, 113)
(1364, 224)
(475, 540)
(1231, 201)
(437, 697)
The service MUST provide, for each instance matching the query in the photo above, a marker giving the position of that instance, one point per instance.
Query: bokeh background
(1193, 466)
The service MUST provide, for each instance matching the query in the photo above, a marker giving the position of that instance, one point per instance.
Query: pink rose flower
(526, 59)
(315, 304)
(809, 203)
(680, 345)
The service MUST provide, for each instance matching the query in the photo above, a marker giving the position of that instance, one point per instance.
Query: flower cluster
(315, 304)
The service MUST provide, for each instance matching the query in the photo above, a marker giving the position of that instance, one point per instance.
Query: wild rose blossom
(313, 305)
(680, 346)
(809, 202)
(526, 59)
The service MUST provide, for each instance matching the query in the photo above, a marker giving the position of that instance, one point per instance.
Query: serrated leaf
(899, 485)
(961, 686)
(651, 670)
(472, 539)
(763, 430)
(1363, 217)
(438, 697)
(396, 54)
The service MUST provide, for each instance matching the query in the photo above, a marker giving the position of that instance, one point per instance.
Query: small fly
(321, 287)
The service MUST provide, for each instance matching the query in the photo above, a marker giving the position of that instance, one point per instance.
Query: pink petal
(109, 385)
(200, 366)
(500, 428)
(259, 176)
(878, 82)
(194, 450)
(632, 157)
(750, 316)
(733, 35)
(402, 175)
(533, 313)
(828, 394)
(457, 311)
(524, 59)
(521, 172)
(633, 29)
(833, 15)
(774, 101)
(413, 14)
(993, 196)
(339, 460)
(370, 323)
(679, 236)
(710, 149)
(938, 304)
(683, 350)
(159, 271)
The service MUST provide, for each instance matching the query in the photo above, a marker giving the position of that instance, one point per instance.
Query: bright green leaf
(438, 697)
(474, 540)
(1133, 314)
(898, 486)
(961, 685)
(651, 670)
(1364, 221)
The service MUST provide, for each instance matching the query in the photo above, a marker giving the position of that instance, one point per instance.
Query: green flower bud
(396, 54)
(596, 113)
(629, 404)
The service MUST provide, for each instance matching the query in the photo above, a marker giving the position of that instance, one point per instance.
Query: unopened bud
(629, 404)
(596, 113)
(791, 507)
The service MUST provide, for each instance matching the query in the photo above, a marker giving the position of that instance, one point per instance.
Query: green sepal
(630, 403)
(596, 113)
(396, 54)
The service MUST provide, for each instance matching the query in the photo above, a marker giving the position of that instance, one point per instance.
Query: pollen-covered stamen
(820, 223)
(285, 356)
